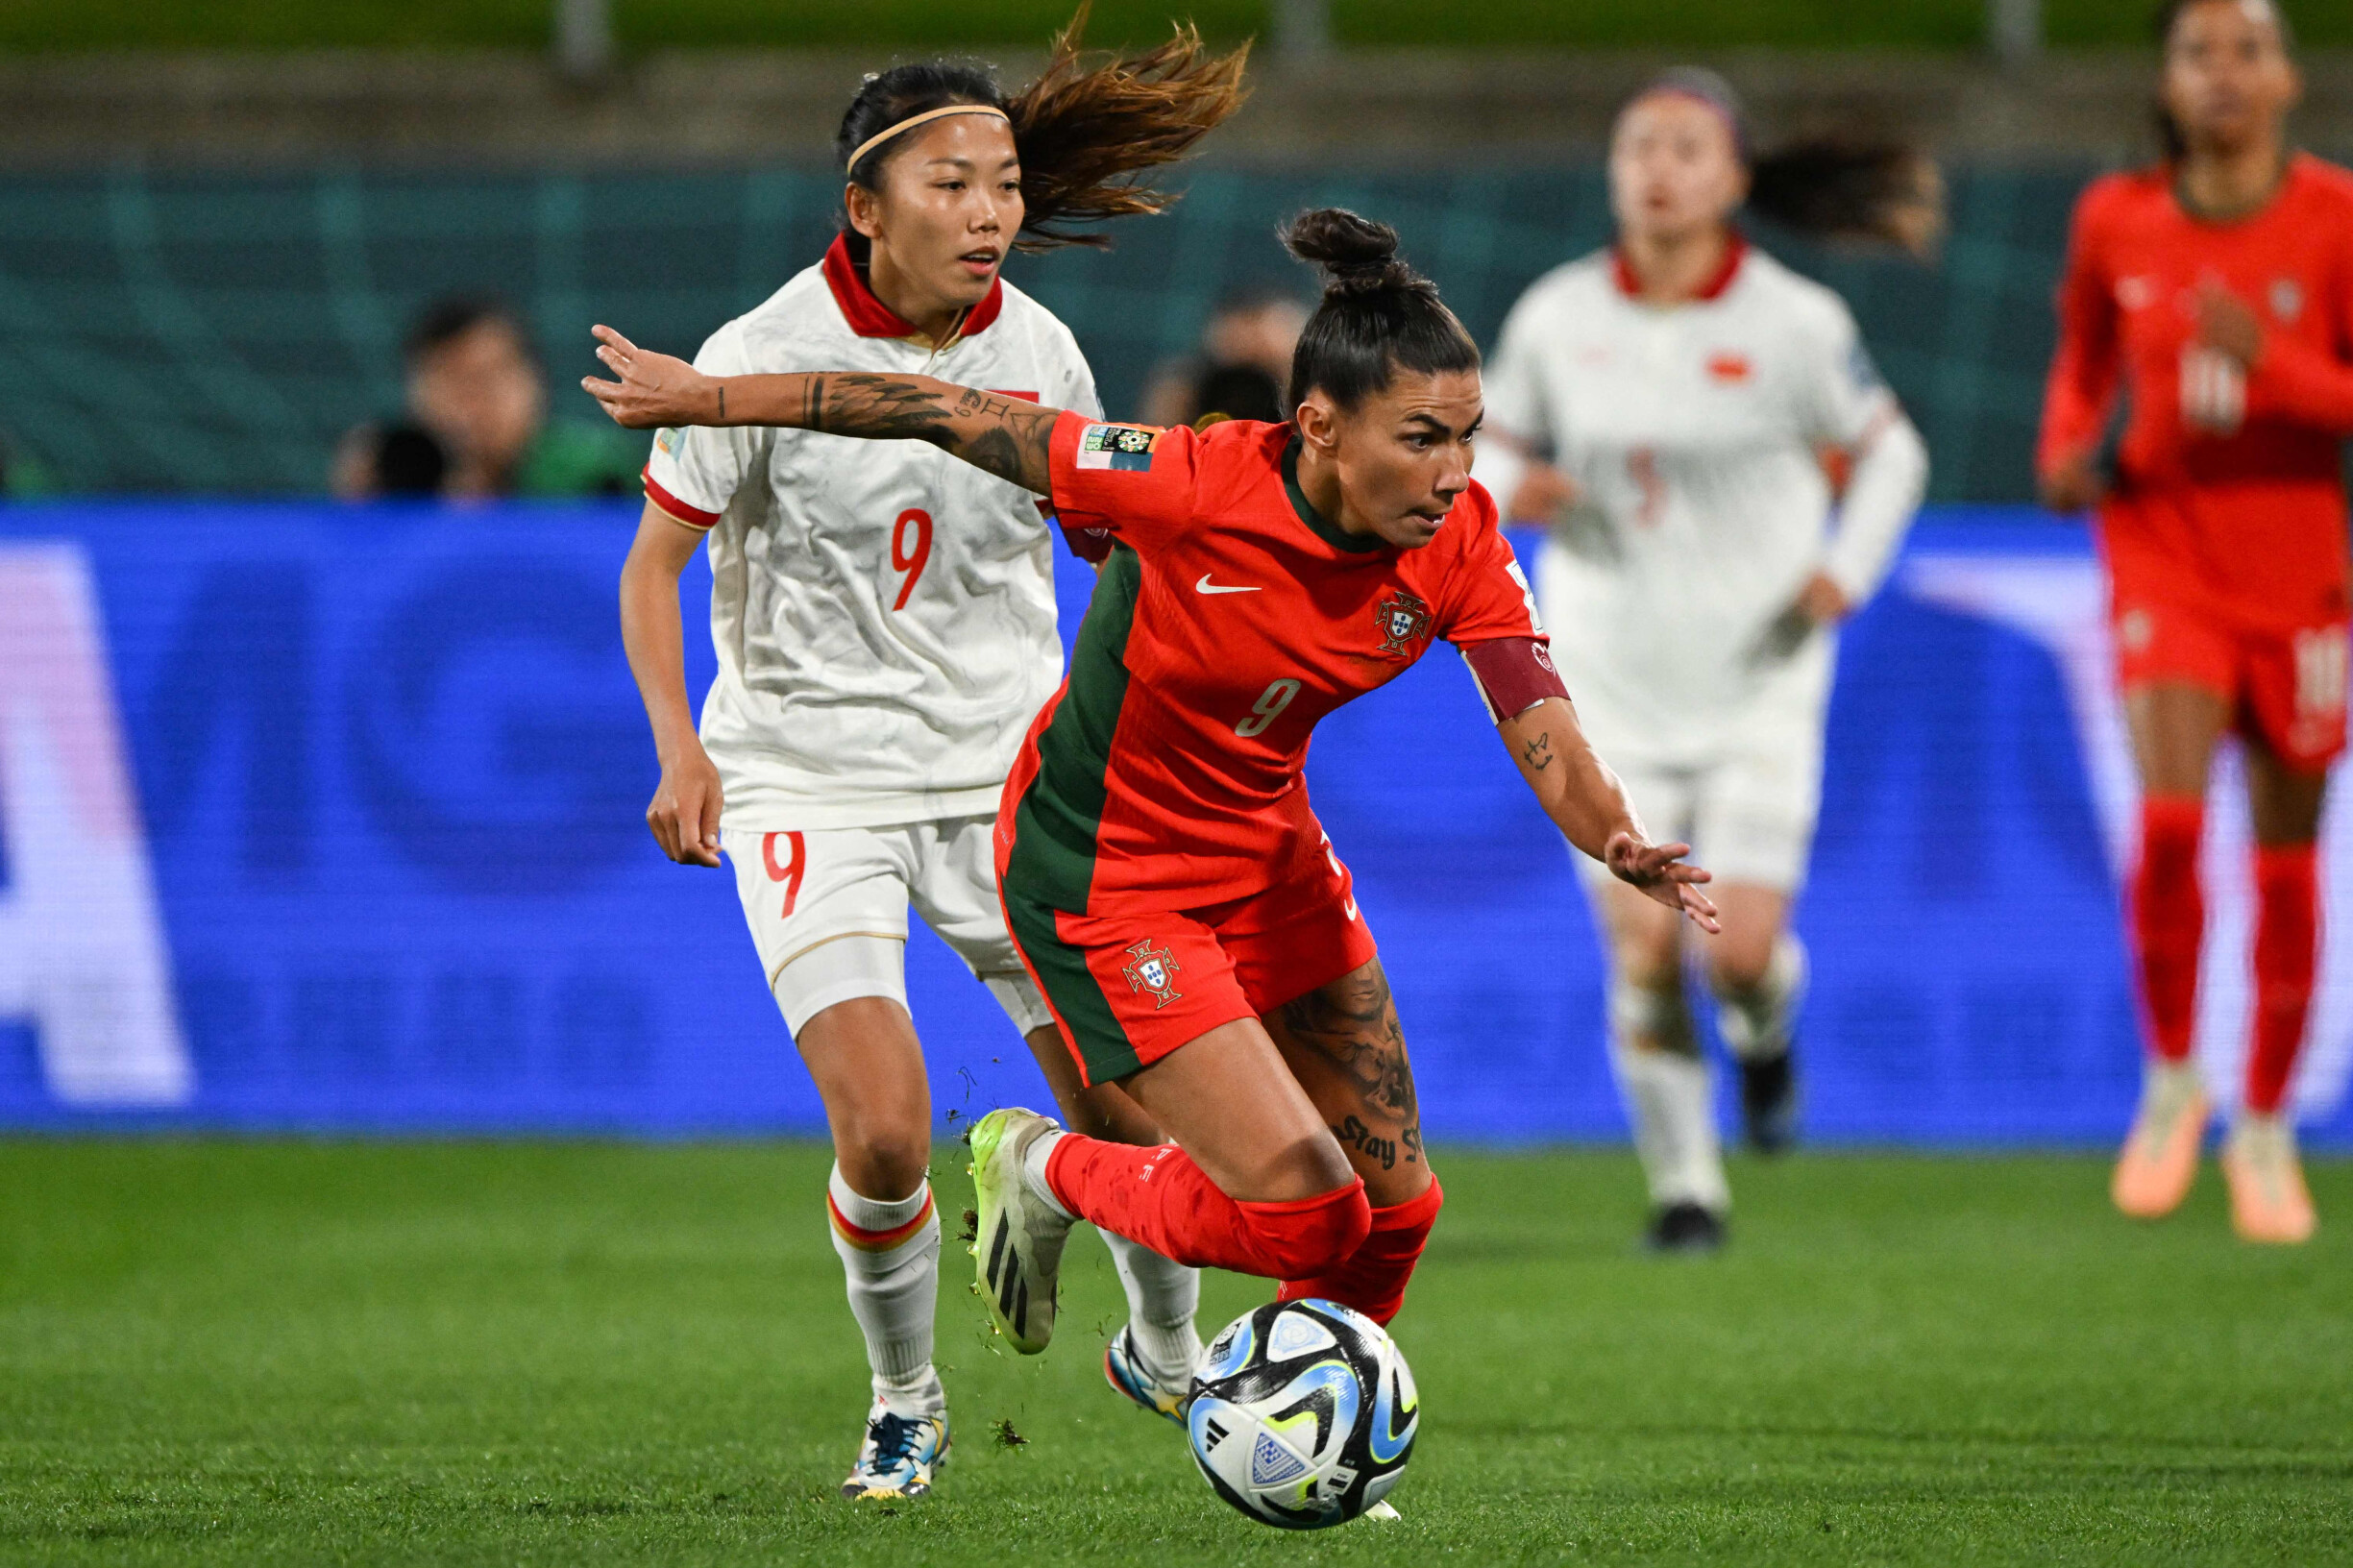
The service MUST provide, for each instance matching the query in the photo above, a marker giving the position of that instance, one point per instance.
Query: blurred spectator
(477, 422)
(1244, 365)
(400, 460)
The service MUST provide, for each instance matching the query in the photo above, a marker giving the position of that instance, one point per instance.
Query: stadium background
(389, 767)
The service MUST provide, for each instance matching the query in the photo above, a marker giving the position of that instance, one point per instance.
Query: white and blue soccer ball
(1303, 1414)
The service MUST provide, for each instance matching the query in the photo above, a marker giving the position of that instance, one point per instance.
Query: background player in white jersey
(884, 620)
(1678, 395)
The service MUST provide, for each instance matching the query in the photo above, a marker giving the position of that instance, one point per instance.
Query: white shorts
(1748, 813)
(827, 908)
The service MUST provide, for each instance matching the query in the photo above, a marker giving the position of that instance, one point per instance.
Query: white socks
(1757, 1023)
(1670, 1095)
(890, 1252)
(1033, 1171)
(1161, 1298)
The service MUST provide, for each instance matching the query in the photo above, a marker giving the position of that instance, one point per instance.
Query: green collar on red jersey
(1328, 531)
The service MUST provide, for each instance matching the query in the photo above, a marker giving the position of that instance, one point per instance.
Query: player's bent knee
(1651, 963)
(884, 1161)
(1738, 970)
(1310, 1235)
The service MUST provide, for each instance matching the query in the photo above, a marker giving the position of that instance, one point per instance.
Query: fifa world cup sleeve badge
(1153, 968)
(1404, 620)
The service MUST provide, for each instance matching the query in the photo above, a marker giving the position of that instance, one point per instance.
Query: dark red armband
(1090, 544)
(1514, 674)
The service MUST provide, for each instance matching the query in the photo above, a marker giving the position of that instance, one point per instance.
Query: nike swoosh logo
(1205, 586)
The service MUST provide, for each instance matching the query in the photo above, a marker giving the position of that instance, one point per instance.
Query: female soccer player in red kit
(1190, 924)
(2215, 292)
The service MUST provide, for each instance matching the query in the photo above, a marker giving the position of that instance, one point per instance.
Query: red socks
(1334, 1246)
(2169, 919)
(1159, 1197)
(1373, 1279)
(2287, 943)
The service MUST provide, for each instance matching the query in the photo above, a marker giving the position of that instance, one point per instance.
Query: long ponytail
(1834, 187)
(1876, 192)
(1084, 128)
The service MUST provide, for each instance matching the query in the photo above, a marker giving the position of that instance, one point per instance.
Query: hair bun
(1358, 255)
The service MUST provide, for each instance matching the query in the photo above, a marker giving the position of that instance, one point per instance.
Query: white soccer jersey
(883, 612)
(1695, 435)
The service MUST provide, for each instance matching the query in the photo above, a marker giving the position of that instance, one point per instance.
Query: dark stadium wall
(180, 332)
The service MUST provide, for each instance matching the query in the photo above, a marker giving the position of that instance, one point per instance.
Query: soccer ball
(1303, 1414)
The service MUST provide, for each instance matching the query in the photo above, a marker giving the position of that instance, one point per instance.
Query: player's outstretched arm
(1006, 436)
(1586, 800)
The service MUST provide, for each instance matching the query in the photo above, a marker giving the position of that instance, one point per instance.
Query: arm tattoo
(1538, 752)
(1352, 1024)
(722, 403)
(1009, 438)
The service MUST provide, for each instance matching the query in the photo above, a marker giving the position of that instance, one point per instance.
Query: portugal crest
(1404, 620)
(1153, 968)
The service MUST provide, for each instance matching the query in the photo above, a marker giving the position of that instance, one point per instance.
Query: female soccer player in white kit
(884, 618)
(1680, 390)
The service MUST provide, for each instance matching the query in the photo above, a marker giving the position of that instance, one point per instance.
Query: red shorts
(2286, 689)
(1128, 989)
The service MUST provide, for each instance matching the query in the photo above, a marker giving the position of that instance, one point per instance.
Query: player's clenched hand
(1823, 602)
(654, 389)
(1660, 871)
(1544, 492)
(2073, 483)
(2228, 324)
(684, 815)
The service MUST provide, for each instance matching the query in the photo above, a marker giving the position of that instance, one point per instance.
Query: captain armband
(1514, 674)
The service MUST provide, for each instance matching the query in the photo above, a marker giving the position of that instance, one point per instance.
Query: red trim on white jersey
(694, 517)
(869, 317)
(1735, 252)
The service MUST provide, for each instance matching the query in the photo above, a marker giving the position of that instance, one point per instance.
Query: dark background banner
(390, 776)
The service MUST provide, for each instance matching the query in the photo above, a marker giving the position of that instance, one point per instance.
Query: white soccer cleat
(1125, 1370)
(900, 1457)
(1018, 1240)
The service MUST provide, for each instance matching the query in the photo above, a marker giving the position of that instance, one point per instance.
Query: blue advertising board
(330, 819)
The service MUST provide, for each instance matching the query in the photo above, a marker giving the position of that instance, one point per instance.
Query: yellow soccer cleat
(2160, 1156)
(1018, 1240)
(2269, 1200)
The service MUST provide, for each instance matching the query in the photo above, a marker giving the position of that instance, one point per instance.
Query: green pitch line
(904, 24)
(586, 1355)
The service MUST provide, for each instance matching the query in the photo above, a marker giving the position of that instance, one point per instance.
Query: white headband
(913, 120)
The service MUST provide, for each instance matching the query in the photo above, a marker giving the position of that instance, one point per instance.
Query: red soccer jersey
(1167, 772)
(2251, 521)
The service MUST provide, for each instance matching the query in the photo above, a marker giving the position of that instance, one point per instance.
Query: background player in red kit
(1168, 885)
(2215, 291)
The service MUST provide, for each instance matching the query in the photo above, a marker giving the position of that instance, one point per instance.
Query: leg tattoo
(1352, 1025)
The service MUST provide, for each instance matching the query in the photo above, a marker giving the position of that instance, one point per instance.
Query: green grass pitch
(587, 1354)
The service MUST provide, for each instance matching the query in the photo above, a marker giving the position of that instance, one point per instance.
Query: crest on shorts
(1404, 620)
(1153, 968)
